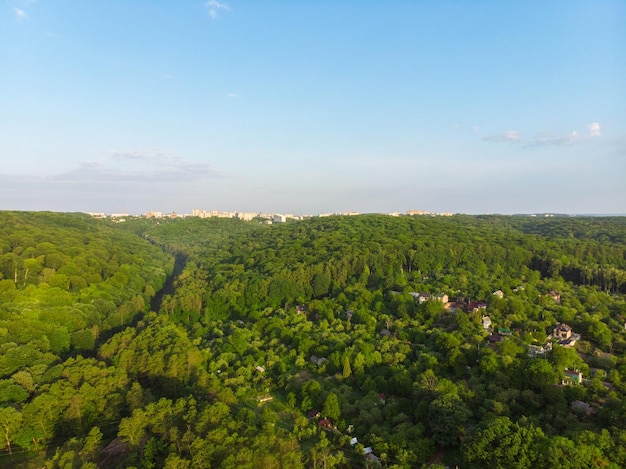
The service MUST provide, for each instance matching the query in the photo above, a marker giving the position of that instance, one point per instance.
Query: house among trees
(582, 408)
(474, 306)
(535, 351)
(369, 454)
(326, 424)
(486, 322)
(499, 294)
(420, 297)
(565, 335)
(562, 332)
(319, 361)
(441, 297)
(572, 377)
(556, 296)
(495, 338)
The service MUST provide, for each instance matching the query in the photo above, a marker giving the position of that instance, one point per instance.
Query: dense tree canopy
(424, 339)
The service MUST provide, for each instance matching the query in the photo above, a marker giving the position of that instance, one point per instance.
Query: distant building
(247, 216)
(432, 214)
(418, 212)
(212, 213)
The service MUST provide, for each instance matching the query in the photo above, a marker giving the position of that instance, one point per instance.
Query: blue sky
(313, 106)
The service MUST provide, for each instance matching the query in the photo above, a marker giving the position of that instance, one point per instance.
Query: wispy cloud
(128, 166)
(155, 165)
(214, 8)
(152, 178)
(547, 138)
(20, 14)
(594, 129)
(508, 136)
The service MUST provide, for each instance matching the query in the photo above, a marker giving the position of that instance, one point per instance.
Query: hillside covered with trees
(366, 341)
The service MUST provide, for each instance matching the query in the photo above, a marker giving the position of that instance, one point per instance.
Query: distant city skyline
(313, 107)
(248, 216)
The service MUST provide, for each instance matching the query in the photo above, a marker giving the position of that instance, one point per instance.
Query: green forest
(332, 342)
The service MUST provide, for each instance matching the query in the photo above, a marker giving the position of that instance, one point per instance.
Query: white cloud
(508, 136)
(594, 129)
(20, 14)
(214, 7)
